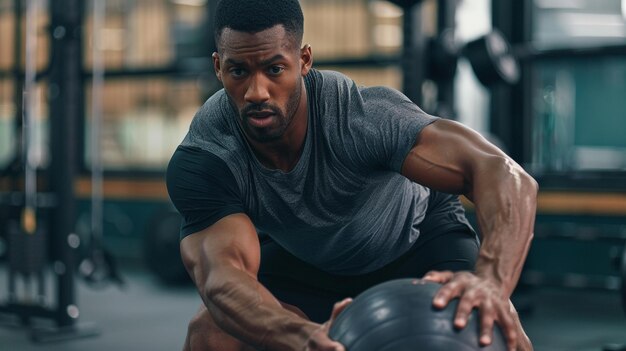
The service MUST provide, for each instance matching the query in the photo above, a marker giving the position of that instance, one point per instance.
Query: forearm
(242, 307)
(505, 199)
(223, 260)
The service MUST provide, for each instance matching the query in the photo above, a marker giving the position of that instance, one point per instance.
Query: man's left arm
(450, 157)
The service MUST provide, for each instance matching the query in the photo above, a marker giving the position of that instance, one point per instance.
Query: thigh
(296, 282)
(453, 251)
(315, 292)
(203, 334)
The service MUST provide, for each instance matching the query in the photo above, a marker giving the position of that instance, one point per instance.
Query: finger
(447, 292)
(439, 276)
(466, 304)
(487, 318)
(509, 327)
(523, 343)
(339, 307)
(320, 341)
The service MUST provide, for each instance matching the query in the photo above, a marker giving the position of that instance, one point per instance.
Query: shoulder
(382, 93)
(385, 101)
(194, 161)
(211, 121)
(193, 173)
(328, 82)
(214, 130)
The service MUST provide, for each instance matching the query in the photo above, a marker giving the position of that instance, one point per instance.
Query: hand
(486, 295)
(319, 340)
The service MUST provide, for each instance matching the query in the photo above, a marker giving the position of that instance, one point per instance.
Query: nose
(257, 91)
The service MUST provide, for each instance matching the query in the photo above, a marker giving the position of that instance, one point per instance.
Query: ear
(306, 59)
(216, 65)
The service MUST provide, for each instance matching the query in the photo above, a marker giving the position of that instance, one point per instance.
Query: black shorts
(315, 292)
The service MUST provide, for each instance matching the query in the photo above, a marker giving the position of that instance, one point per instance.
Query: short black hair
(257, 15)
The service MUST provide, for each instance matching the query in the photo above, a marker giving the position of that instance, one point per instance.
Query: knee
(201, 332)
(201, 321)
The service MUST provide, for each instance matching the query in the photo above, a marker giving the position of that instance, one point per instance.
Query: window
(12, 65)
(7, 122)
(143, 120)
(578, 22)
(159, 54)
(473, 19)
(7, 35)
(579, 113)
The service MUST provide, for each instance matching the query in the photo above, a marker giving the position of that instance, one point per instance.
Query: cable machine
(42, 240)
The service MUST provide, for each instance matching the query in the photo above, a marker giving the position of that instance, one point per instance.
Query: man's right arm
(223, 261)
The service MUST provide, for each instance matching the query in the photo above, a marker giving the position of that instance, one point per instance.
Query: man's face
(262, 76)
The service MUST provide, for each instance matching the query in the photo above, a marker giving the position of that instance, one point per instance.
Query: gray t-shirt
(344, 207)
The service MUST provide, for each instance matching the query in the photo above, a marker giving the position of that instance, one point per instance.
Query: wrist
(490, 269)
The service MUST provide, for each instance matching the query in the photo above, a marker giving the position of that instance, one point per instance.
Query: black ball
(398, 315)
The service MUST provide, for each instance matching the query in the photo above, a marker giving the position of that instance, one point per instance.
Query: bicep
(230, 243)
(447, 156)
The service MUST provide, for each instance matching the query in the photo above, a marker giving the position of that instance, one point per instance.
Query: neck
(284, 153)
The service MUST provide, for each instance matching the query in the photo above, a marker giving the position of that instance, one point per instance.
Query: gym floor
(145, 315)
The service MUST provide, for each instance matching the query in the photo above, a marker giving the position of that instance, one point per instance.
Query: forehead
(237, 44)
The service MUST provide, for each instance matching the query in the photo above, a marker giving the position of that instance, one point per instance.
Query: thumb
(339, 307)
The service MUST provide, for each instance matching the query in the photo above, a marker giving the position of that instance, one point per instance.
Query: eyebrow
(272, 59)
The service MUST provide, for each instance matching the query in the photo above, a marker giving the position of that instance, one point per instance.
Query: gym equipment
(97, 266)
(492, 60)
(490, 57)
(399, 316)
(41, 225)
(27, 239)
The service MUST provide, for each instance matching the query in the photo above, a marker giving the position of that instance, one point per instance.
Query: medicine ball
(399, 316)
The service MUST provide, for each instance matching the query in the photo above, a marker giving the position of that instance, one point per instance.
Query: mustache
(258, 108)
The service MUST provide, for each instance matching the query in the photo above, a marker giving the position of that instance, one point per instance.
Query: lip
(260, 119)
(260, 114)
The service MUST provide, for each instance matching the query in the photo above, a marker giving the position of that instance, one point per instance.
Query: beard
(283, 117)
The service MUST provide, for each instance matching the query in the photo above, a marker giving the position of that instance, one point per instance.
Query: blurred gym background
(96, 95)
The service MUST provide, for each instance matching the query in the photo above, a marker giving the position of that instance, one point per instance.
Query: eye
(276, 70)
(237, 72)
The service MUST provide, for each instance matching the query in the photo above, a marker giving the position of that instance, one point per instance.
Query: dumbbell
(490, 57)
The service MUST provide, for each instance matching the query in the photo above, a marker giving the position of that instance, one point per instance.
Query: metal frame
(66, 110)
(510, 111)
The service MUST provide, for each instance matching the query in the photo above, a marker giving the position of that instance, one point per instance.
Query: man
(299, 188)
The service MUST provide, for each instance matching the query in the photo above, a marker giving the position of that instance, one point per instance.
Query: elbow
(522, 181)
(531, 190)
(530, 184)
(188, 262)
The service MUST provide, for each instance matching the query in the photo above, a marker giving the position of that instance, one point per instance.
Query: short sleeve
(202, 188)
(388, 128)
(369, 128)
